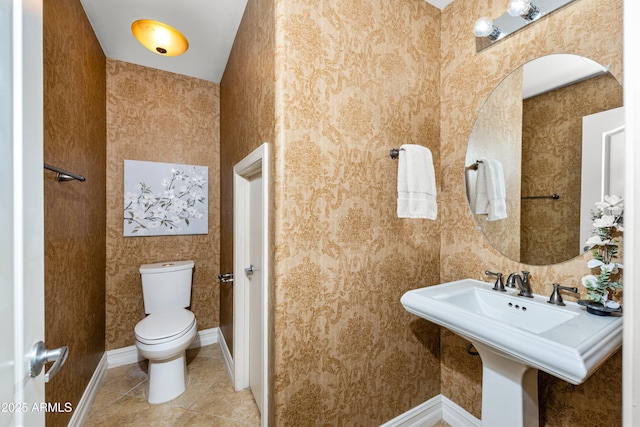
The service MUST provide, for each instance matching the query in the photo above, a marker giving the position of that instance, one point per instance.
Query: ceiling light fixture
(159, 37)
(484, 28)
(525, 9)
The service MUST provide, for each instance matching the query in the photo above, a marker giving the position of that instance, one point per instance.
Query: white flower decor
(607, 219)
(174, 207)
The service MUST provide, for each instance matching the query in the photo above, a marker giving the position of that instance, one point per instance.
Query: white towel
(490, 190)
(416, 183)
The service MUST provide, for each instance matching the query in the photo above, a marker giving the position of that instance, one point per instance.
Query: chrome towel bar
(554, 196)
(63, 175)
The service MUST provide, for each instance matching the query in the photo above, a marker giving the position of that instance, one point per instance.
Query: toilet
(163, 336)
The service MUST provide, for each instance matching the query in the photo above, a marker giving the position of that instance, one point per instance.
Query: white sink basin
(515, 336)
(508, 309)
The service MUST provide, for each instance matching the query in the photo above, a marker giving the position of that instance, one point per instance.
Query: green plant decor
(608, 224)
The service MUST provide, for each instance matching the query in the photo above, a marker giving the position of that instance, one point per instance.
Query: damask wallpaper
(354, 79)
(334, 85)
(592, 28)
(157, 116)
(74, 220)
(342, 83)
(247, 119)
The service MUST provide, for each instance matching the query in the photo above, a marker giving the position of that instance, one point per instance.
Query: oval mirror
(547, 144)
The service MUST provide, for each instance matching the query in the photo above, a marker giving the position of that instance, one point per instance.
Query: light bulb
(518, 7)
(483, 27)
(525, 9)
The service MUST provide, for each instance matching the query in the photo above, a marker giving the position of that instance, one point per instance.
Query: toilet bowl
(162, 338)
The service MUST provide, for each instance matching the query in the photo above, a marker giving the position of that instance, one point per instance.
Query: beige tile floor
(209, 399)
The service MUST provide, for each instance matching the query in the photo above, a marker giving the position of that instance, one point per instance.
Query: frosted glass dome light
(159, 37)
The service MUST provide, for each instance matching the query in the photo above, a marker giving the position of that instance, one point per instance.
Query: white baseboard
(205, 337)
(81, 412)
(433, 410)
(129, 355)
(456, 416)
(226, 356)
(426, 414)
(123, 356)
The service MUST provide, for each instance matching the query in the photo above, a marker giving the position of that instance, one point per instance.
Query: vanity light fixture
(159, 37)
(484, 28)
(519, 14)
(525, 9)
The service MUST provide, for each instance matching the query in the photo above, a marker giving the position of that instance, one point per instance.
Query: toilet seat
(164, 326)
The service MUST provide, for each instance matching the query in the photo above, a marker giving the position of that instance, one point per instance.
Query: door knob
(225, 278)
(249, 270)
(41, 356)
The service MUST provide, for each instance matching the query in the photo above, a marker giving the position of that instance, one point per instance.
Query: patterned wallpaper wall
(247, 119)
(551, 163)
(354, 79)
(157, 116)
(591, 28)
(74, 220)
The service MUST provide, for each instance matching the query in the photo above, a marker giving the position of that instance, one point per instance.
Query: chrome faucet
(522, 282)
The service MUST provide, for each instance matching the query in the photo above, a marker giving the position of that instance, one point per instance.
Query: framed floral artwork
(165, 199)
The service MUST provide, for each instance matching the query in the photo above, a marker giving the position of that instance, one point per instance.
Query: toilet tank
(166, 285)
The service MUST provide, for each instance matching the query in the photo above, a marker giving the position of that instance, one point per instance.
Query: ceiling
(209, 25)
(551, 72)
(440, 4)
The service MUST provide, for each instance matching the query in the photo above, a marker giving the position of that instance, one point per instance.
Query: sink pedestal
(509, 390)
(512, 334)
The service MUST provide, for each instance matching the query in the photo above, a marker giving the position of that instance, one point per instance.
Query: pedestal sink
(516, 337)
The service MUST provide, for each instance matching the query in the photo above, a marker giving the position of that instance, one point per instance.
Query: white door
(255, 291)
(603, 161)
(21, 211)
(251, 276)
(631, 331)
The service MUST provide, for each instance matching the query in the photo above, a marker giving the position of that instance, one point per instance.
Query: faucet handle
(556, 298)
(499, 286)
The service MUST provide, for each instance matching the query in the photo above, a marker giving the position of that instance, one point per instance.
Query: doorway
(21, 212)
(602, 171)
(251, 275)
